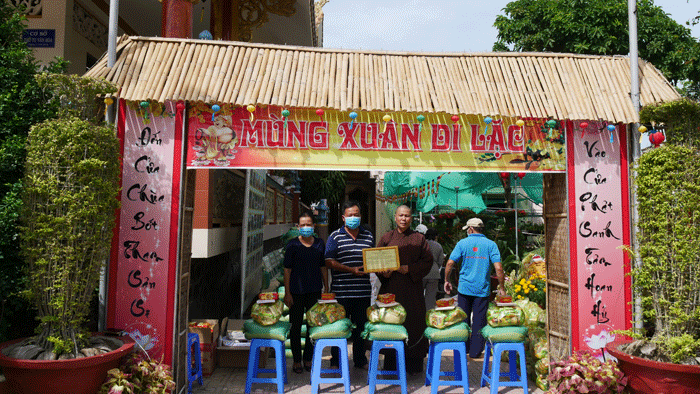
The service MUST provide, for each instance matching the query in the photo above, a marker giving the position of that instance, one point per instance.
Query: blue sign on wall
(40, 38)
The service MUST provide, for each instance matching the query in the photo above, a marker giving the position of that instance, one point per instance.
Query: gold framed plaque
(380, 259)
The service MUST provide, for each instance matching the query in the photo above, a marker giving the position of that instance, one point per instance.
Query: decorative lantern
(656, 138)
(320, 112)
(455, 118)
(611, 129)
(521, 175)
(214, 108)
(505, 175)
(642, 129)
(583, 126)
(144, 106)
(251, 109)
(353, 116)
(285, 115)
(420, 119)
(488, 121)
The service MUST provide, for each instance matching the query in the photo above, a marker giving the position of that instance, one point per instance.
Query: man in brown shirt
(407, 284)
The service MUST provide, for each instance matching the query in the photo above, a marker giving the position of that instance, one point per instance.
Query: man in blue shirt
(349, 282)
(476, 253)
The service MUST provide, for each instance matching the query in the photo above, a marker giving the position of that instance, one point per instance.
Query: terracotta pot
(77, 376)
(653, 377)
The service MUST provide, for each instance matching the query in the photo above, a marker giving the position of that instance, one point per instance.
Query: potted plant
(139, 374)
(70, 195)
(584, 373)
(667, 181)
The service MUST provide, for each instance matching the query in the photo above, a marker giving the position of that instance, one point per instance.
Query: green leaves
(70, 195)
(599, 27)
(668, 184)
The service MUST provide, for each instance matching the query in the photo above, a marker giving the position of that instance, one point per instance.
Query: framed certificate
(380, 259)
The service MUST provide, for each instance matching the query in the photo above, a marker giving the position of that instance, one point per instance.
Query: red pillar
(177, 19)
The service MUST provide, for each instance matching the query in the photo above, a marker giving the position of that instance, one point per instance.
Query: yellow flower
(517, 288)
(522, 281)
(526, 291)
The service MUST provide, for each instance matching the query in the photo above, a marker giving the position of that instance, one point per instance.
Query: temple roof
(522, 84)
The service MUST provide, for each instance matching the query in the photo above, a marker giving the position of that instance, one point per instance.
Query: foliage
(680, 119)
(22, 104)
(138, 375)
(316, 185)
(74, 96)
(70, 195)
(600, 27)
(583, 373)
(533, 288)
(668, 184)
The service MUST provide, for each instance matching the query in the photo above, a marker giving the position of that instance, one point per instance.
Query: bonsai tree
(71, 183)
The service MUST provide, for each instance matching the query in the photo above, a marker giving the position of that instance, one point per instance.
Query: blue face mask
(352, 222)
(306, 231)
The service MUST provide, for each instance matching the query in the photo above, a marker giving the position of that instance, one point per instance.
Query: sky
(434, 25)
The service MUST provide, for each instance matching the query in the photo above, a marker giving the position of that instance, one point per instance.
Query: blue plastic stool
(460, 373)
(194, 366)
(343, 368)
(372, 380)
(494, 377)
(254, 364)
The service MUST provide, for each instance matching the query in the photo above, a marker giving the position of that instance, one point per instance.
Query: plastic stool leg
(485, 375)
(495, 369)
(429, 367)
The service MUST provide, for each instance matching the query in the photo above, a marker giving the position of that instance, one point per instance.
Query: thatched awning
(563, 86)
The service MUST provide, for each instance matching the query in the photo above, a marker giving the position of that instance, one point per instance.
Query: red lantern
(319, 112)
(583, 125)
(521, 175)
(505, 175)
(657, 138)
(455, 118)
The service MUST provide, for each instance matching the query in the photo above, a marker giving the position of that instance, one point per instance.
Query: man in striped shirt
(349, 282)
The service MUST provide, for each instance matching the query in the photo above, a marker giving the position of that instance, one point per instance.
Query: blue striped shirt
(342, 248)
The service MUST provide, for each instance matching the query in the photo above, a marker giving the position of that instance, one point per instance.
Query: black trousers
(356, 311)
(475, 308)
(302, 303)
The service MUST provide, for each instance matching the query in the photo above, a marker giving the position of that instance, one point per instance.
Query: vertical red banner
(599, 225)
(144, 249)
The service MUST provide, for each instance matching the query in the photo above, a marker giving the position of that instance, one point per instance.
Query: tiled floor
(232, 380)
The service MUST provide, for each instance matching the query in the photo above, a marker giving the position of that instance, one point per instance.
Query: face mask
(306, 231)
(352, 222)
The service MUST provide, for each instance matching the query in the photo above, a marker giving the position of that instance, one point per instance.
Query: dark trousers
(475, 308)
(356, 311)
(302, 303)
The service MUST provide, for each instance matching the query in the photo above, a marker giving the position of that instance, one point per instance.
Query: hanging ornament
(642, 129)
(214, 108)
(656, 138)
(455, 118)
(420, 119)
(108, 101)
(505, 175)
(488, 121)
(551, 124)
(205, 35)
(583, 126)
(520, 123)
(320, 113)
(144, 106)
(251, 109)
(611, 129)
(353, 116)
(386, 118)
(285, 115)
(521, 175)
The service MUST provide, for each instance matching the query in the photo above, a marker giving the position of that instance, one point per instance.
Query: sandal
(297, 368)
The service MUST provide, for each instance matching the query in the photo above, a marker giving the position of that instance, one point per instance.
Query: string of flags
(421, 192)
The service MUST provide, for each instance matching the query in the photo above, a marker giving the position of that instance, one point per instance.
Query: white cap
(473, 222)
(422, 228)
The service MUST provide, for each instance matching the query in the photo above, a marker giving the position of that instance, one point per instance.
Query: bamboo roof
(541, 85)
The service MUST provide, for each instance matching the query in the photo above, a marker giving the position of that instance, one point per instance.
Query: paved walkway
(232, 380)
